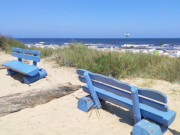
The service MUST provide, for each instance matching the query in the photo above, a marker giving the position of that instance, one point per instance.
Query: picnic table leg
(91, 89)
(135, 101)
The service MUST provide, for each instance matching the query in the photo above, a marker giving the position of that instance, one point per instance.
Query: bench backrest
(147, 97)
(26, 54)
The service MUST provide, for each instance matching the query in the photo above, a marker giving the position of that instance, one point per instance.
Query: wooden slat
(25, 56)
(107, 96)
(114, 90)
(106, 80)
(26, 51)
(153, 94)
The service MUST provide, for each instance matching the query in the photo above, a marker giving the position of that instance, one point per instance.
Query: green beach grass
(6, 43)
(114, 64)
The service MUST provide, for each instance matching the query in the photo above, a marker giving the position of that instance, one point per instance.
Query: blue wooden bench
(145, 104)
(31, 72)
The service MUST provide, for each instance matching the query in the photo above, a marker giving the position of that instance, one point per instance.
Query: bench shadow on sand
(174, 132)
(18, 77)
(125, 116)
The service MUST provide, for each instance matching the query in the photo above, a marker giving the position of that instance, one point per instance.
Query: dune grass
(6, 43)
(115, 64)
(120, 65)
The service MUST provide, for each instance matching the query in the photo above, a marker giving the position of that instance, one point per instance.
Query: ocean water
(104, 41)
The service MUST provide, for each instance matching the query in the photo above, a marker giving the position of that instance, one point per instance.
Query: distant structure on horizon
(126, 35)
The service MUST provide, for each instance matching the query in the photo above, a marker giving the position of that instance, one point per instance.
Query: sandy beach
(62, 117)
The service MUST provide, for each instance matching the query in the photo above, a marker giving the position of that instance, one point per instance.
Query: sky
(90, 18)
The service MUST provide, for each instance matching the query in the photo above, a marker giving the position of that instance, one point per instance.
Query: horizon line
(95, 37)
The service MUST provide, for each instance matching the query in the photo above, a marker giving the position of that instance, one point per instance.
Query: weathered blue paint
(26, 56)
(30, 79)
(26, 51)
(21, 67)
(106, 80)
(152, 104)
(153, 94)
(85, 103)
(111, 97)
(32, 72)
(19, 59)
(145, 127)
(34, 62)
(92, 91)
(135, 101)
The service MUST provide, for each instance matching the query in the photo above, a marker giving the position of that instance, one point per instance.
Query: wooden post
(34, 62)
(92, 91)
(135, 101)
(19, 59)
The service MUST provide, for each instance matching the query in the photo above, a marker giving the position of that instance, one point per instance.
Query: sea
(104, 42)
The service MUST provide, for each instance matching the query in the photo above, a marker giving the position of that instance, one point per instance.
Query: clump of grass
(45, 52)
(76, 55)
(6, 43)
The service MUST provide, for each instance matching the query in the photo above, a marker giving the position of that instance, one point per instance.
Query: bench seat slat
(26, 51)
(165, 118)
(25, 56)
(21, 67)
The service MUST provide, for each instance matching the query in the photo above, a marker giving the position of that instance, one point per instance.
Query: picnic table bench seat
(145, 104)
(31, 72)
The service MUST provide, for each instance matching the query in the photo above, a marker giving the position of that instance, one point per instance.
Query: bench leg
(145, 127)
(135, 101)
(85, 103)
(11, 72)
(30, 79)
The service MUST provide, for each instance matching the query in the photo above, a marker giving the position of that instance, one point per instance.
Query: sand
(61, 116)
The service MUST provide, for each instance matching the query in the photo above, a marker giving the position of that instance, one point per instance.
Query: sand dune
(61, 116)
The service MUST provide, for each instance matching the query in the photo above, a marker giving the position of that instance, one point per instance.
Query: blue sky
(90, 18)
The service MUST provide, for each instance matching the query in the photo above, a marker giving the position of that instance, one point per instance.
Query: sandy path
(61, 116)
